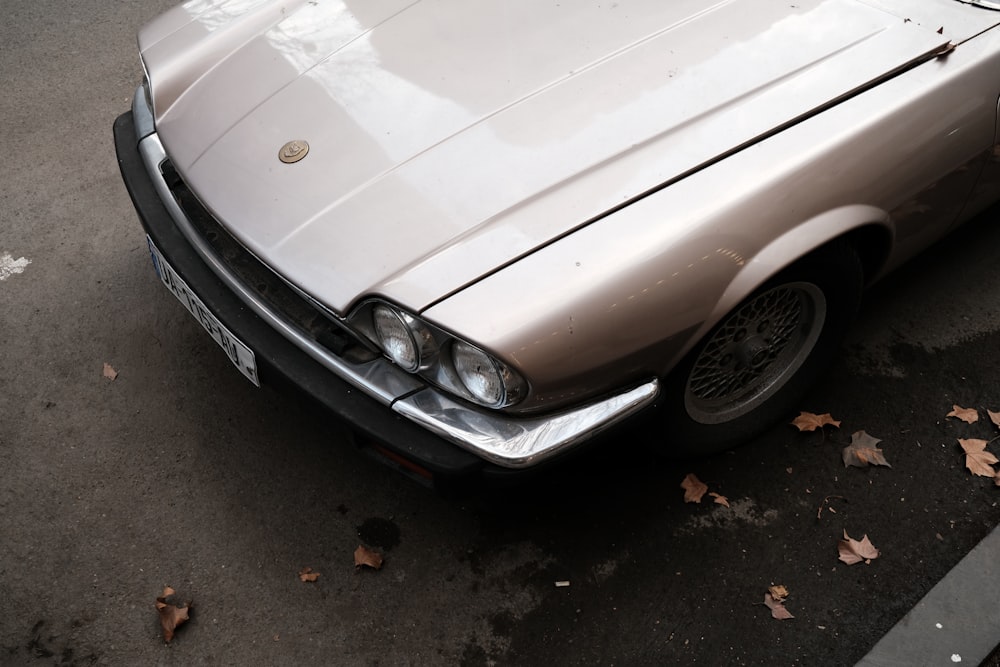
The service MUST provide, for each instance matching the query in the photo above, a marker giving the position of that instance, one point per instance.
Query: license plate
(241, 355)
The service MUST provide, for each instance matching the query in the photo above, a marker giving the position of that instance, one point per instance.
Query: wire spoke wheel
(756, 364)
(754, 352)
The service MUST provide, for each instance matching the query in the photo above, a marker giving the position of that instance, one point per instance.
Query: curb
(957, 622)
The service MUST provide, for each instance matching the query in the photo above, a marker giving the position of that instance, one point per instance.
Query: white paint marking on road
(9, 266)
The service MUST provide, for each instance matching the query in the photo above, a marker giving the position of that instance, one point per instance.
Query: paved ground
(180, 473)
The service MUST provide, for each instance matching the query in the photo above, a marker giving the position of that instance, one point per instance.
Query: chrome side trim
(520, 443)
(988, 4)
(495, 436)
(142, 115)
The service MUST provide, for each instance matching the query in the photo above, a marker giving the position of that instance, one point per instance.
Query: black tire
(753, 368)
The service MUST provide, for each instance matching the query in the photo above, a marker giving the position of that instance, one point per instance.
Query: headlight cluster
(452, 364)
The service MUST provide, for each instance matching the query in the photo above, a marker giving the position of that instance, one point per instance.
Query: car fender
(788, 248)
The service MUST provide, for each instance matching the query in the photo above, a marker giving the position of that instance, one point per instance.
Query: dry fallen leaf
(307, 575)
(109, 372)
(719, 499)
(854, 551)
(968, 415)
(807, 421)
(994, 417)
(977, 459)
(694, 489)
(863, 451)
(777, 608)
(367, 557)
(172, 614)
(779, 593)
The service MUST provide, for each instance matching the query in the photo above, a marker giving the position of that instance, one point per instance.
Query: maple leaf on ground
(807, 421)
(367, 557)
(968, 415)
(719, 499)
(694, 488)
(994, 417)
(172, 614)
(777, 608)
(854, 551)
(977, 459)
(307, 575)
(863, 452)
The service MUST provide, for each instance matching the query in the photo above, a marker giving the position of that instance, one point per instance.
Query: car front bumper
(394, 409)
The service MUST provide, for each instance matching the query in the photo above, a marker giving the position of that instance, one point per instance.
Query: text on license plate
(241, 355)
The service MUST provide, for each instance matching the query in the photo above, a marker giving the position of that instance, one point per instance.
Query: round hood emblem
(293, 151)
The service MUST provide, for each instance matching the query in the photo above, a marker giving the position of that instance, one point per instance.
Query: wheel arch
(869, 231)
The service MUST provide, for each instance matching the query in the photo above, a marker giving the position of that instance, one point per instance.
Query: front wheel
(754, 366)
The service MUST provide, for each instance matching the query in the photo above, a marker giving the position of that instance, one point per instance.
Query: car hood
(447, 139)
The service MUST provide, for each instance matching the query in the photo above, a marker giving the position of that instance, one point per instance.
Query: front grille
(312, 321)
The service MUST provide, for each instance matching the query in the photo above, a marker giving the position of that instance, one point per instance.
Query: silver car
(484, 232)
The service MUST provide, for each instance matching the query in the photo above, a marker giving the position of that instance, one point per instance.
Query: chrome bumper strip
(520, 443)
(495, 436)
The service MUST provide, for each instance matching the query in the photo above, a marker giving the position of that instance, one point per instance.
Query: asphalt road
(180, 473)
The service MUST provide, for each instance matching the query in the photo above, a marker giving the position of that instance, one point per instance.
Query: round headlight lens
(396, 337)
(479, 374)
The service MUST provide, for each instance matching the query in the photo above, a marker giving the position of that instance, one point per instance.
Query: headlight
(439, 357)
(402, 338)
(479, 374)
